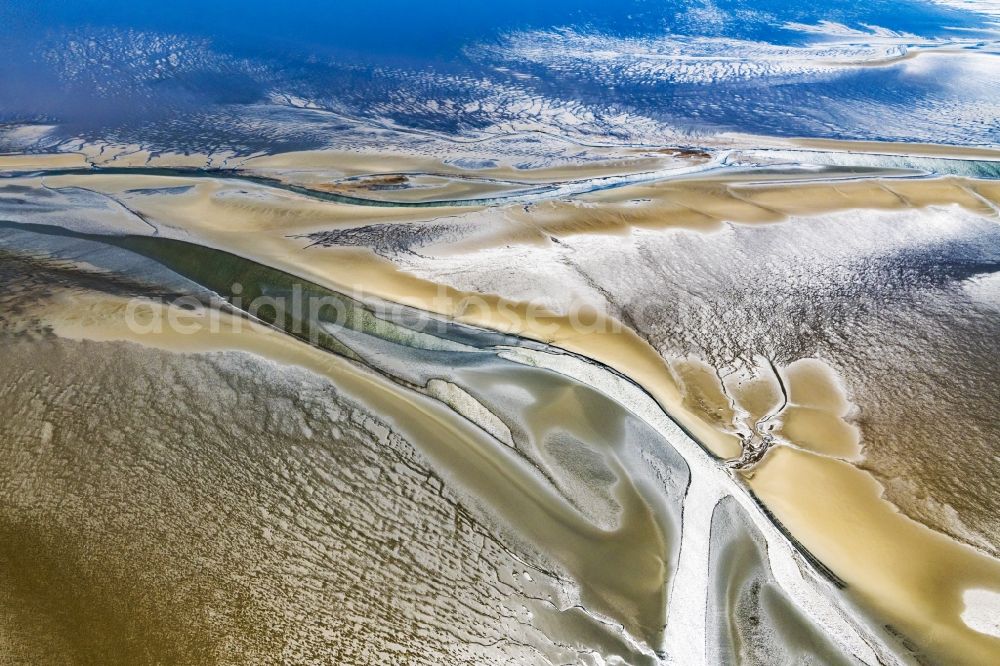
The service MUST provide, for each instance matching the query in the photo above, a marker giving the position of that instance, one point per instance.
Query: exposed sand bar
(318, 165)
(22, 162)
(622, 572)
(737, 140)
(891, 148)
(261, 223)
(908, 574)
(710, 482)
(357, 164)
(816, 415)
(322, 166)
(707, 204)
(103, 318)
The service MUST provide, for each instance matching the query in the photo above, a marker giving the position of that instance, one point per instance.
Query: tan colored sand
(889, 148)
(260, 223)
(704, 395)
(749, 141)
(419, 188)
(619, 162)
(818, 410)
(910, 575)
(705, 204)
(906, 572)
(622, 571)
(23, 162)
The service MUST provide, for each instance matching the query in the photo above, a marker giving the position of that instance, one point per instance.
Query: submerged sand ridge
(803, 407)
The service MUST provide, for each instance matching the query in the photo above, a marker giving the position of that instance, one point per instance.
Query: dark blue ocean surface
(267, 76)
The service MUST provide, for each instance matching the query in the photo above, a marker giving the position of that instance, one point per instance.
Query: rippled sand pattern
(713, 413)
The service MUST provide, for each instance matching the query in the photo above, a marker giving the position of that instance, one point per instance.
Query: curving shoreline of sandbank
(217, 218)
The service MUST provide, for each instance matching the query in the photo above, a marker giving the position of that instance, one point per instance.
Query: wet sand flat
(269, 227)
(913, 576)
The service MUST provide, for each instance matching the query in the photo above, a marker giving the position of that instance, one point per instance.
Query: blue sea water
(255, 75)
